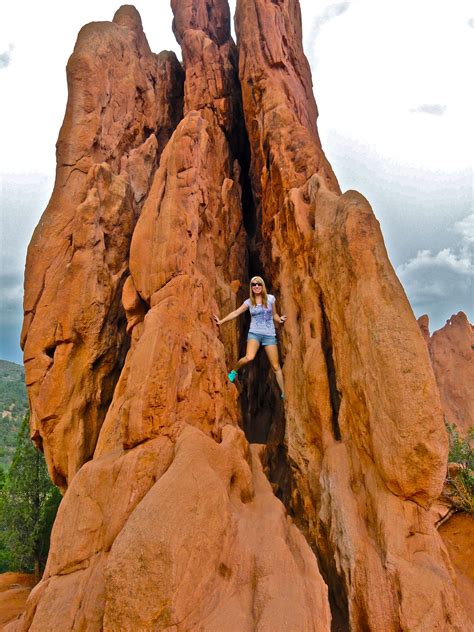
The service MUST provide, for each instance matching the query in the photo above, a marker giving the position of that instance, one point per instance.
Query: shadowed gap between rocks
(263, 416)
(337, 594)
(263, 412)
(262, 407)
(334, 393)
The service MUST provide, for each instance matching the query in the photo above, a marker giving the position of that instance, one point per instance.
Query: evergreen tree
(28, 506)
(4, 563)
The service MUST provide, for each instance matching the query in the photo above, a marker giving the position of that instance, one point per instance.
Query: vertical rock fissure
(263, 412)
(337, 590)
(262, 409)
(259, 397)
(335, 395)
(248, 205)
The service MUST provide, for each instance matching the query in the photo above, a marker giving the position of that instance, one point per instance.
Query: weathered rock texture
(14, 591)
(365, 442)
(458, 536)
(123, 105)
(451, 351)
(216, 547)
(169, 521)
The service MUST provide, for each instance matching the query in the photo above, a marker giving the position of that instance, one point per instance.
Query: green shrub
(460, 483)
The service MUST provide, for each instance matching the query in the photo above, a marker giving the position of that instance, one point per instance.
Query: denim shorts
(263, 339)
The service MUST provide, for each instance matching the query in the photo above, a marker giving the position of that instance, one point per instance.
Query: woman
(262, 329)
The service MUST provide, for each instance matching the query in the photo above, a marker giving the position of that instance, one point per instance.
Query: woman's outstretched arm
(277, 318)
(240, 310)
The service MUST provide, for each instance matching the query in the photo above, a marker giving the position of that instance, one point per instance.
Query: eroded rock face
(169, 521)
(452, 356)
(14, 591)
(123, 104)
(458, 534)
(175, 270)
(170, 442)
(245, 565)
(366, 446)
(238, 531)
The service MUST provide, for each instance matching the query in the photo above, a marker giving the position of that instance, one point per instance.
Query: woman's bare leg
(272, 353)
(252, 348)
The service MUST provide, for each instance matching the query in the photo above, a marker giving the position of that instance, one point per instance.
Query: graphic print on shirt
(262, 317)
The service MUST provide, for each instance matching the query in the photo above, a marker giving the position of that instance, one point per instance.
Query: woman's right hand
(216, 318)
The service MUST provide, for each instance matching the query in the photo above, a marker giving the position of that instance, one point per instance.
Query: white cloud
(368, 79)
(465, 228)
(328, 13)
(446, 259)
(430, 108)
(6, 56)
(442, 282)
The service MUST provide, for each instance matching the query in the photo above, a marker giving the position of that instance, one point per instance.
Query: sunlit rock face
(124, 103)
(365, 445)
(175, 184)
(451, 351)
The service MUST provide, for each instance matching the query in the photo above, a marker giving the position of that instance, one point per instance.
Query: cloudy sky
(394, 92)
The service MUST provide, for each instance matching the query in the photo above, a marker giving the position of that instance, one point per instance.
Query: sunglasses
(253, 284)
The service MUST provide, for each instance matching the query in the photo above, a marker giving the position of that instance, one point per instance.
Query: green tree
(4, 563)
(28, 506)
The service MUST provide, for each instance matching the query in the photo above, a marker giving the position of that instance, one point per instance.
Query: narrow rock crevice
(262, 407)
(248, 204)
(263, 414)
(338, 601)
(335, 395)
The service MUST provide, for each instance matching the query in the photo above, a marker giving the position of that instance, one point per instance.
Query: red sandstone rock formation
(73, 336)
(150, 466)
(452, 356)
(458, 536)
(169, 521)
(14, 591)
(364, 430)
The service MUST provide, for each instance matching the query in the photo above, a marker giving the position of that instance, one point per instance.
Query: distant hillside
(13, 406)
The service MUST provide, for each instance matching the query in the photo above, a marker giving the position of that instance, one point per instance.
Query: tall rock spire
(452, 356)
(173, 522)
(164, 204)
(365, 445)
(73, 333)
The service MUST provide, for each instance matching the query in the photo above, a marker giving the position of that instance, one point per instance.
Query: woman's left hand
(282, 319)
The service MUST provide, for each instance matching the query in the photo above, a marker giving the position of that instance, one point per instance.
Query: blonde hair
(264, 291)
